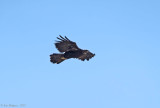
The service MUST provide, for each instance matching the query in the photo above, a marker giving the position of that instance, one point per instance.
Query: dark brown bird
(68, 50)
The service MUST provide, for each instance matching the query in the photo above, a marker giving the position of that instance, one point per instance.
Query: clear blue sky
(124, 35)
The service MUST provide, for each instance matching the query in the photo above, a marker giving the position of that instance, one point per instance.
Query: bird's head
(88, 54)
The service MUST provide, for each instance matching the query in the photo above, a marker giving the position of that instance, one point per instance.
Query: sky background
(124, 35)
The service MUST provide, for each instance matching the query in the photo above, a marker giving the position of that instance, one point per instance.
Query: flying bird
(69, 49)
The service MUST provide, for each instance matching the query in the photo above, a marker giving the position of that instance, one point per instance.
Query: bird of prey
(69, 49)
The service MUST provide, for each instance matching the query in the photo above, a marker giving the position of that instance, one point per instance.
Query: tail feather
(57, 58)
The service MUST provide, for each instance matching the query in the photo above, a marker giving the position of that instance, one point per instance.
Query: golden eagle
(68, 50)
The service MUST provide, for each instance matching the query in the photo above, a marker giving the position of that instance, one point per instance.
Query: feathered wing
(86, 55)
(65, 44)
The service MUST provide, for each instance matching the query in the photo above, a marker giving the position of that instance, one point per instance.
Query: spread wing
(64, 44)
(86, 55)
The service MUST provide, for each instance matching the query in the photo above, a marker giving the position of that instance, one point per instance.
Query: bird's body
(73, 54)
(68, 50)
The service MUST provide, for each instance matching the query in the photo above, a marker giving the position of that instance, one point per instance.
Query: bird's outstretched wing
(64, 44)
(86, 55)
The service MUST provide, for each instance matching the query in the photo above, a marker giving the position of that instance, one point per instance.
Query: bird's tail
(57, 58)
